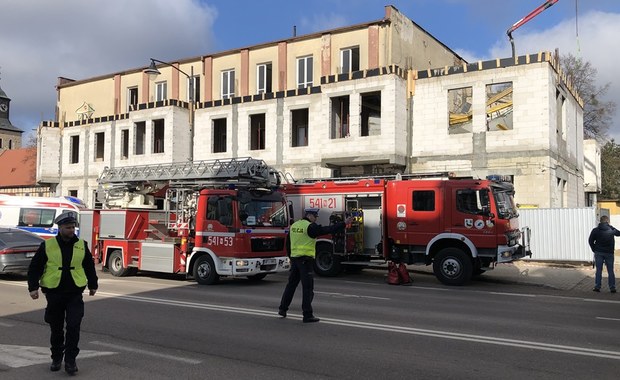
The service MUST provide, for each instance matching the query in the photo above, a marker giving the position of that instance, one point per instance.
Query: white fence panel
(559, 234)
(614, 220)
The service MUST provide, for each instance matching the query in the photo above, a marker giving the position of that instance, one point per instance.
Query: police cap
(312, 210)
(66, 217)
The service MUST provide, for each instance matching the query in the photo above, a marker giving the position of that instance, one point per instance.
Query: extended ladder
(240, 171)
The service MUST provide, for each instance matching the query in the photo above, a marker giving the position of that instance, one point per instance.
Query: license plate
(29, 254)
(269, 261)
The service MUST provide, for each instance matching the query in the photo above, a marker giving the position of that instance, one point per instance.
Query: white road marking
(514, 294)
(600, 301)
(608, 319)
(23, 356)
(5, 324)
(343, 295)
(145, 352)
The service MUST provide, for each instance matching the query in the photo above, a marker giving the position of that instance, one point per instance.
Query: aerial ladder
(136, 186)
(525, 19)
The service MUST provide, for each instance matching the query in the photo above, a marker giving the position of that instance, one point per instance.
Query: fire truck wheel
(452, 266)
(326, 263)
(115, 264)
(204, 271)
(257, 277)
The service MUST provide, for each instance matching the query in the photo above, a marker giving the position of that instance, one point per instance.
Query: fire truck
(204, 219)
(462, 227)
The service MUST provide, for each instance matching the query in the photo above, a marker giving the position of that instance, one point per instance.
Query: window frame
(308, 77)
(74, 149)
(196, 83)
(99, 147)
(266, 76)
(353, 61)
(161, 91)
(227, 80)
(131, 101)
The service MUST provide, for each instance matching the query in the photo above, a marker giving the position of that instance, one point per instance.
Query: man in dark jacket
(301, 247)
(63, 266)
(602, 243)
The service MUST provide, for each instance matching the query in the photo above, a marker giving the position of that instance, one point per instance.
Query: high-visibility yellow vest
(53, 268)
(301, 243)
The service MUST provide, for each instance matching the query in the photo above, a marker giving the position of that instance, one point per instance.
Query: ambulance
(36, 214)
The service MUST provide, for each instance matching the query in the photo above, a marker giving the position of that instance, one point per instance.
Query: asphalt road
(163, 327)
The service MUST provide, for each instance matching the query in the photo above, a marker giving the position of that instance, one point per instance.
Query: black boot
(71, 368)
(56, 364)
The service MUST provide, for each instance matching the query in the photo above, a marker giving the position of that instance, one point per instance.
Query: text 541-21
(322, 202)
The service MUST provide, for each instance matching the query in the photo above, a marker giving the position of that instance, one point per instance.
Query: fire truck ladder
(183, 179)
(244, 171)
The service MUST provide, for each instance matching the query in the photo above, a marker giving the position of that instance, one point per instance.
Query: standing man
(63, 267)
(602, 243)
(301, 248)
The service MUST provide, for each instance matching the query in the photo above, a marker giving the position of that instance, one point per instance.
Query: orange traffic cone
(393, 278)
(403, 274)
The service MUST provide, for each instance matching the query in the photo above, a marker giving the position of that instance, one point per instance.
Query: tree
(610, 170)
(597, 113)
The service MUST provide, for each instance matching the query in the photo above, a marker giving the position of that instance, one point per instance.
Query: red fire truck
(205, 219)
(460, 226)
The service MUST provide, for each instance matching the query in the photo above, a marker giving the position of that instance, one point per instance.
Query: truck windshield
(263, 211)
(506, 208)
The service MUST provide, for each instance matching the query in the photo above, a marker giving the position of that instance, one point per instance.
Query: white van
(36, 214)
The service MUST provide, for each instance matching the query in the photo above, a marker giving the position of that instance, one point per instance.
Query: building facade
(360, 100)
(517, 117)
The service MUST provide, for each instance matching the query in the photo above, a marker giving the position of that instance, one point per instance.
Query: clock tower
(10, 136)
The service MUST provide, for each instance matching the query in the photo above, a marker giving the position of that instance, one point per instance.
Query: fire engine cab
(205, 219)
(460, 226)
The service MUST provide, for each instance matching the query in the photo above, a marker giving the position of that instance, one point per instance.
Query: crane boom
(525, 19)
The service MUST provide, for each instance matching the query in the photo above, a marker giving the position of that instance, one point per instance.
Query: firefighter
(63, 266)
(301, 249)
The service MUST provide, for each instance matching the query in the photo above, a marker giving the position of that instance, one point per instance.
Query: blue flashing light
(74, 200)
(499, 178)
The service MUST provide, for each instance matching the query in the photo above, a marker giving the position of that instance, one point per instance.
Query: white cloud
(84, 38)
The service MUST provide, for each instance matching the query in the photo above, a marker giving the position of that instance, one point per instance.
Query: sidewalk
(560, 276)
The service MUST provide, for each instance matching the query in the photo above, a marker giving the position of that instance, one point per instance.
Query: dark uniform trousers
(59, 306)
(301, 270)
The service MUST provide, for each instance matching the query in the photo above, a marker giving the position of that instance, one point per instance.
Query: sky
(41, 40)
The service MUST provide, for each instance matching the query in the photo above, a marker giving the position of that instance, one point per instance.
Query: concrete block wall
(49, 152)
(523, 151)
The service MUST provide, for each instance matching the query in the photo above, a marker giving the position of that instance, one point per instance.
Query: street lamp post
(152, 70)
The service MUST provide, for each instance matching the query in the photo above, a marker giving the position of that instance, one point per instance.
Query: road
(163, 327)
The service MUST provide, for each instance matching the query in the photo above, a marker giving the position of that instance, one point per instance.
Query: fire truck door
(421, 213)
(472, 216)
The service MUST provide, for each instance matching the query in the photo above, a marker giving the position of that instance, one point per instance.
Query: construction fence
(560, 234)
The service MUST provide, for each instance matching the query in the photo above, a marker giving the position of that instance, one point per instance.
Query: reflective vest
(301, 243)
(53, 267)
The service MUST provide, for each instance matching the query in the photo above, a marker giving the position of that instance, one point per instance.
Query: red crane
(525, 19)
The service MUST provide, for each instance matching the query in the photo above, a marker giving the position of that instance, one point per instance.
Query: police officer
(63, 267)
(301, 247)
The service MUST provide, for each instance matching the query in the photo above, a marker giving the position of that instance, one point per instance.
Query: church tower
(10, 136)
